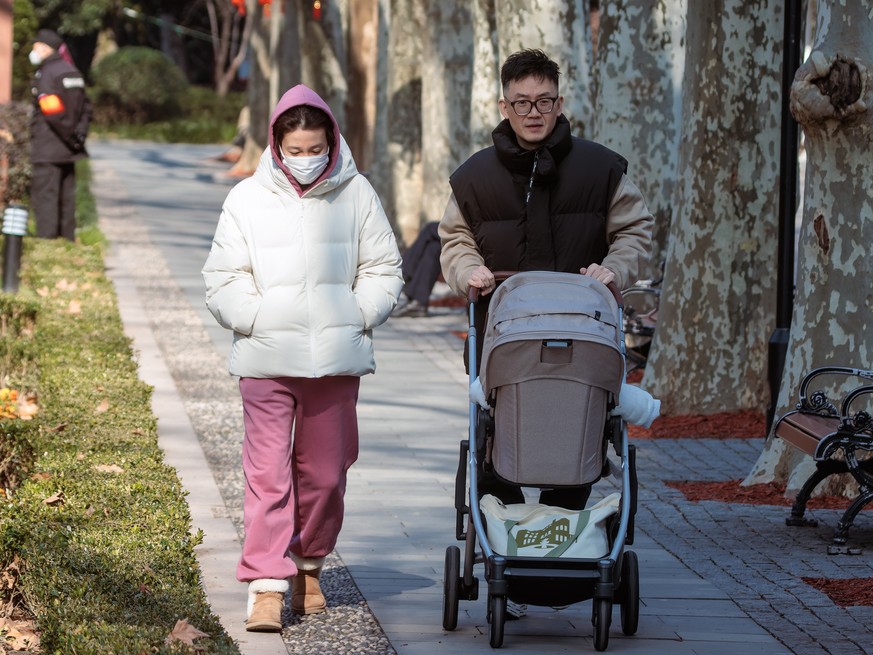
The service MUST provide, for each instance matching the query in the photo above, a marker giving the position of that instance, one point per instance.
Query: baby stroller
(552, 369)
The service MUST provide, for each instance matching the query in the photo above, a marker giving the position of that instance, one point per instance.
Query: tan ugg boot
(266, 600)
(306, 596)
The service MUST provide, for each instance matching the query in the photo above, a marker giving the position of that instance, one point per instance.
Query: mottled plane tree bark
(832, 321)
(397, 163)
(709, 353)
(484, 110)
(562, 29)
(638, 74)
(445, 99)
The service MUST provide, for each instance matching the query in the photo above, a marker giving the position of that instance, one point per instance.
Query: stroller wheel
(497, 614)
(602, 619)
(451, 583)
(630, 593)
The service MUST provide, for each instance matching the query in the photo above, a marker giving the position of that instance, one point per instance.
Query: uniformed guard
(59, 125)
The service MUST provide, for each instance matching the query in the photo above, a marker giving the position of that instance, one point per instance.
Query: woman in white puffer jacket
(304, 264)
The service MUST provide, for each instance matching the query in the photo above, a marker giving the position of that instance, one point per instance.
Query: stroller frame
(608, 580)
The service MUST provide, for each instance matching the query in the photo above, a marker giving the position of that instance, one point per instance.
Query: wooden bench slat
(804, 431)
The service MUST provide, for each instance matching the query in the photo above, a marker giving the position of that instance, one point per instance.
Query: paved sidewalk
(716, 578)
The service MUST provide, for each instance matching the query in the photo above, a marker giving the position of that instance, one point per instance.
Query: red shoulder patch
(51, 104)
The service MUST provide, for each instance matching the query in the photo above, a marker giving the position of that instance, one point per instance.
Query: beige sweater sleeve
(629, 233)
(459, 256)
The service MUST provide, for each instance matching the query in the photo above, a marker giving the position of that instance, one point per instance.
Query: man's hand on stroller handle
(599, 272)
(483, 279)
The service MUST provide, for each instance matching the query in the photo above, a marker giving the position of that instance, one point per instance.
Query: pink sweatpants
(295, 484)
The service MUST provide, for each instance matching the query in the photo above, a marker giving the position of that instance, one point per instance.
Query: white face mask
(35, 58)
(306, 169)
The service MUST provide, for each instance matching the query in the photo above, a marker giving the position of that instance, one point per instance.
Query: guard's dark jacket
(61, 113)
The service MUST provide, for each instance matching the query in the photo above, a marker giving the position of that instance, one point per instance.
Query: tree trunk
(832, 323)
(562, 30)
(230, 38)
(324, 57)
(361, 118)
(486, 91)
(379, 170)
(446, 82)
(397, 174)
(638, 95)
(709, 353)
(275, 59)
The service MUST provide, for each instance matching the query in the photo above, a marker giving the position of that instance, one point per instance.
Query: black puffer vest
(542, 209)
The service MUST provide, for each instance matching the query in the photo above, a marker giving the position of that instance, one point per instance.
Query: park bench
(832, 435)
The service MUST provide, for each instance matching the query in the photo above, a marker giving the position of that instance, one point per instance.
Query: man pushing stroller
(540, 199)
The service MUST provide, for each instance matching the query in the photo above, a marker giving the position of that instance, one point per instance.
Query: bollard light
(15, 220)
(14, 227)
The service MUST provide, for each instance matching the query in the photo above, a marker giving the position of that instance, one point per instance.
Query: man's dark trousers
(53, 197)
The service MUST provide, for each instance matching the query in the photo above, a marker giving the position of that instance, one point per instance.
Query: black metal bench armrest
(817, 402)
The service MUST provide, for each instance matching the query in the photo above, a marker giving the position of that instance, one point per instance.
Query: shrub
(204, 118)
(15, 147)
(96, 539)
(17, 373)
(137, 84)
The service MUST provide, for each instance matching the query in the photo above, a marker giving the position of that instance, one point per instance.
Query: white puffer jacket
(302, 277)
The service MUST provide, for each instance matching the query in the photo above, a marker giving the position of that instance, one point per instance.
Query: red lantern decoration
(240, 6)
(316, 10)
(266, 5)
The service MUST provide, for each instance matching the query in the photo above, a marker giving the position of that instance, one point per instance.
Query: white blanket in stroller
(636, 406)
(535, 530)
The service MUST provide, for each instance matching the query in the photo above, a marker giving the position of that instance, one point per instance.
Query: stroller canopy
(552, 356)
(542, 305)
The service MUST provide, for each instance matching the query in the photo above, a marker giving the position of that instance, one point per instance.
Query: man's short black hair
(527, 63)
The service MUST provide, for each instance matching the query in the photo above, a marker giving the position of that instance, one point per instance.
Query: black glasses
(523, 107)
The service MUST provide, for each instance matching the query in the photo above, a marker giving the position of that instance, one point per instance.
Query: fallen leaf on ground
(9, 576)
(64, 285)
(75, 307)
(19, 635)
(102, 407)
(42, 291)
(27, 406)
(184, 632)
(56, 499)
(109, 468)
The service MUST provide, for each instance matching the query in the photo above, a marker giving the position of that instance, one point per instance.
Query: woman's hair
(303, 117)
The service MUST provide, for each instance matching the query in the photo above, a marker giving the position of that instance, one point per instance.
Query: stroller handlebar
(500, 276)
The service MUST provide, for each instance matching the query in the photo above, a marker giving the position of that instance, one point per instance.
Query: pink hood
(303, 95)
